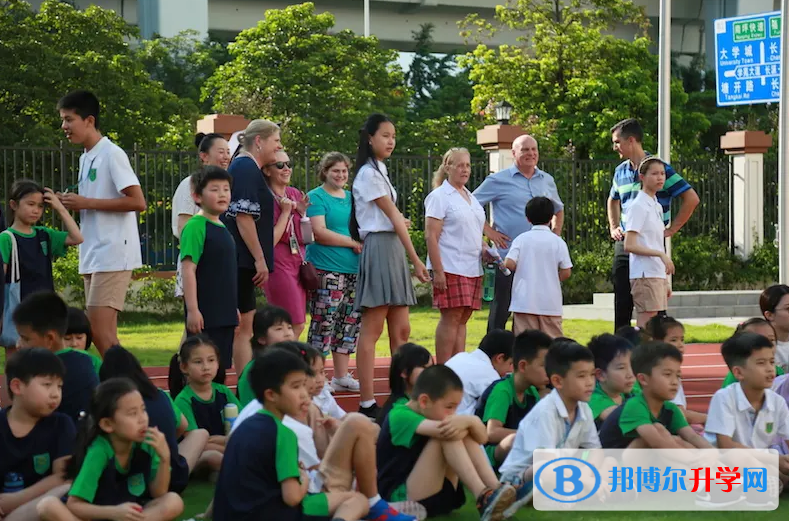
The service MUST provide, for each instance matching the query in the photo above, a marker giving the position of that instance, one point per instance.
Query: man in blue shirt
(508, 191)
(627, 137)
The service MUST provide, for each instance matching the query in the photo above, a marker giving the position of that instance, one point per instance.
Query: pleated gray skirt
(384, 275)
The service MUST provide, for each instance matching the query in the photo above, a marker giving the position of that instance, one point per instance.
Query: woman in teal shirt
(335, 324)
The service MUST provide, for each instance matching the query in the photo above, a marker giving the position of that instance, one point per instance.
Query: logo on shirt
(768, 428)
(41, 464)
(136, 484)
(45, 248)
(92, 174)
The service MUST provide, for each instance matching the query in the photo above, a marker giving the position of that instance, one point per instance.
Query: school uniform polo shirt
(646, 220)
(27, 460)
(206, 414)
(600, 401)
(35, 252)
(103, 481)
(731, 414)
(112, 239)
(620, 428)
(626, 186)
(79, 382)
(547, 426)
(260, 455)
(397, 451)
(211, 247)
(500, 402)
(477, 373)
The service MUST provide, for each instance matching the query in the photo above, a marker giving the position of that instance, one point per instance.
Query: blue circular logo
(561, 479)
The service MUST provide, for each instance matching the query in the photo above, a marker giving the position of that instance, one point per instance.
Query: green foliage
(48, 52)
(568, 78)
(292, 67)
(68, 281)
(154, 295)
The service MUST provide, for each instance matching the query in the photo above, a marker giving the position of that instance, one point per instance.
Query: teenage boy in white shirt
(108, 196)
(478, 369)
(541, 261)
(644, 240)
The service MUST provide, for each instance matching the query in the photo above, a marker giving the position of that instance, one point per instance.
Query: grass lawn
(154, 339)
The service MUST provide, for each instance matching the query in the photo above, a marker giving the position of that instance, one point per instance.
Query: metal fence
(583, 185)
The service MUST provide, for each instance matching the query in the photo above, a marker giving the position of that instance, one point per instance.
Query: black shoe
(371, 411)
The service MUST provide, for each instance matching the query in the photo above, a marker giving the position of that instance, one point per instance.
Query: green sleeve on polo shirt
(600, 401)
(97, 457)
(57, 241)
(183, 401)
(499, 401)
(5, 246)
(635, 413)
(193, 238)
(403, 422)
(678, 421)
(287, 453)
(245, 394)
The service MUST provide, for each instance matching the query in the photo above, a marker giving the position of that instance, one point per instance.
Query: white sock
(374, 500)
(366, 404)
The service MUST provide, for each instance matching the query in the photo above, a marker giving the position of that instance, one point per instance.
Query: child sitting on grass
(614, 375)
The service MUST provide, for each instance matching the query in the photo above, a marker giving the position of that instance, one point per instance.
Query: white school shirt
(547, 427)
(368, 185)
(112, 239)
(327, 404)
(731, 414)
(539, 255)
(460, 242)
(680, 399)
(477, 373)
(782, 355)
(183, 204)
(645, 216)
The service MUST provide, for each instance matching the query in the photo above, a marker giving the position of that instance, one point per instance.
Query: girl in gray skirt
(383, 289)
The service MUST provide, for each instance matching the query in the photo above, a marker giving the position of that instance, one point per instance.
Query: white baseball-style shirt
(368, 185)
(731, 414)
(645, 216)
(460, 242)
(547, 426)
(477, 373)
(539, 255)
(112, 239)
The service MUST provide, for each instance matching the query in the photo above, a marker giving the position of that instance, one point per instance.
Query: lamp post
(503, 112)
(366, 18)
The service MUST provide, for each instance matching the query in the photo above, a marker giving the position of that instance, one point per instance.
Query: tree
(320, 84)
(59, 49)
(569, 79)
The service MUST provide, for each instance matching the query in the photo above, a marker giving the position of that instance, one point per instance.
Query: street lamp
(503, 112)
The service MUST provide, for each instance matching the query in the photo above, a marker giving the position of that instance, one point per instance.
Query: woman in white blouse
(453, 229)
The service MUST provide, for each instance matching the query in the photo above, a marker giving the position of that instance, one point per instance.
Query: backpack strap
(13, 262)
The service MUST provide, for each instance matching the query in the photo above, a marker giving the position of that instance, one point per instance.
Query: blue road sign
(748, 59)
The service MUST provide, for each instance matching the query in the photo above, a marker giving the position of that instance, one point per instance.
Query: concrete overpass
(392, 21)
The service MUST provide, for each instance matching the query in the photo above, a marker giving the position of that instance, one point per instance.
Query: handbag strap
(14, 260)
(292, 232)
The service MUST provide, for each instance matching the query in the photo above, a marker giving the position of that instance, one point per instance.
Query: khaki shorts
(335, 478)
(649, 294)
(550, 325)
(107, 289)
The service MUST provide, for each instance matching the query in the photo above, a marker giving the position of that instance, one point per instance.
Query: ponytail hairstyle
(756, 321)
(176, 378)
(103, 404)
(304, 351)
(257, 127)
(364, 155)
(447, 161)
(657, 327)
(204, 142)
(121, 363)
(19, 190)
(407, 358)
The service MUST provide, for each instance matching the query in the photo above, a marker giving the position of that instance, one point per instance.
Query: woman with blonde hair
(250, 219)
(335, 323)
(454, 221)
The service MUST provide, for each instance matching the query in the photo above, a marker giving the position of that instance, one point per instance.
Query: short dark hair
(272, 368)
(650, 354)
(657, 327)
(265, 317)
(634, 335)
(738, 349)
(563, 354)
(436, 381)
(498, 342)
(205, 175)
(528, 345)
(629, 127)
(43, 312)
(78, 324)
(29, 363)
(771, 297)
(539, 210)
(606, 347)
(83, 102)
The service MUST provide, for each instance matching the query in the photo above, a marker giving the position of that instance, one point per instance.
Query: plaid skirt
(461, 292)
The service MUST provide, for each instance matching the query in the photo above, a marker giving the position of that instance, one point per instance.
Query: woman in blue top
(335, 323)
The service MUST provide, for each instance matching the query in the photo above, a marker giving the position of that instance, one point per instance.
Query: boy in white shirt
(108, 196)
(644, 240)
(570, 367)
(541, 261)
(478, 369)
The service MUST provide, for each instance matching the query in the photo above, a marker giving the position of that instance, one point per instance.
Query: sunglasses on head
(279, 164)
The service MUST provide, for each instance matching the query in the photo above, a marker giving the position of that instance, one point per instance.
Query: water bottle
(489, 282)
(494, 252)
(230, 414)
(13, 482)
(307, 236)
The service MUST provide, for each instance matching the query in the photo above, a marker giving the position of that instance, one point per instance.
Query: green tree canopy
(569, 79)
(54, 50)
(320, 84)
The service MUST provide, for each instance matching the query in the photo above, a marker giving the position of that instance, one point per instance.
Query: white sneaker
(346, 383)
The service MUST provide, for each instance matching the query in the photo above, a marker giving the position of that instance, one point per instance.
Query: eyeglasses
(279, 164)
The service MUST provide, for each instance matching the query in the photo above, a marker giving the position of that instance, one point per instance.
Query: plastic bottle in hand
(230, 414)
(494, 252)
